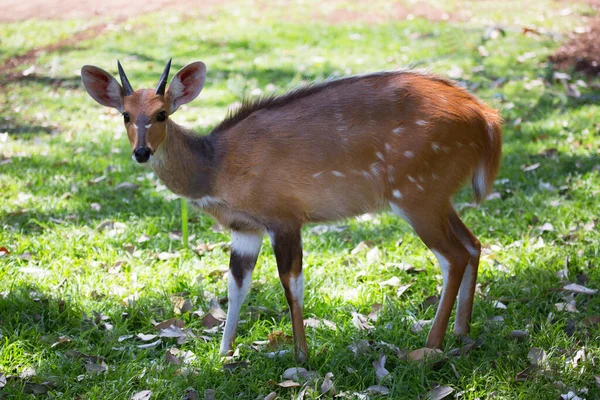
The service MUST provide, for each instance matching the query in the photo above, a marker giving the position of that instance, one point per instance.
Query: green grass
(59, 270)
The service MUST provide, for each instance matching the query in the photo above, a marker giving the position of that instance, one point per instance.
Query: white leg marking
(235, 296)
(445, 267)
(246, 244)
(297, 288)
(465, 285)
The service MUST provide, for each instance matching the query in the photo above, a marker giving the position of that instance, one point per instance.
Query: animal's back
(350, 146)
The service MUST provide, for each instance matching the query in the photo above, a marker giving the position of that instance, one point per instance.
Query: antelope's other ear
(102, 86)
(186, 85)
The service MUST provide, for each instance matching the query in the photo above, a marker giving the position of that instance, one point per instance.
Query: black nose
(141, 154)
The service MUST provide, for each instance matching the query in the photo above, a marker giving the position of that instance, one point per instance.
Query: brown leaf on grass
(537, 356)
(143, 395)
(375, 310)
(569, 307)
(462, 351)
(361, 322)
(575, 288)
(526, 373)
(299, 373)
(327, 385)
(380, 371)
(191, 394)
(423, 353)
(316, 323)
(38, 388)
(76, 355)
(360, 347)
(165, 324)
(218, 272)
(4, 251)
(214, 317)
(288, 384)
(364, 245)
(439, 393)
(591, 321)
(61, 339)
(429, 301)
(93, 368)
(278, 339)
(181, 305)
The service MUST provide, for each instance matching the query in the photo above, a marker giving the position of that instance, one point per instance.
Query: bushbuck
(405, 140)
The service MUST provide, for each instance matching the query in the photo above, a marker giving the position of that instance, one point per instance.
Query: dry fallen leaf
(144, 337)
(569, 307)
(423, 353)
(235, 365)
(439, 393)
(316, 323)
(143, 395)
(298, 373)
(288, 384)
(93, 368)
(150, 345)
(402, 289)
(38, 388)
(375, 310)
(271, 396)
(393, 281)
(165, 324)
(373, 255)
(526, 373)
(518, 334)
(537, 356)
(278, 339)
(570, 396)
(327, 385)
(361, 247)
(191, 394)
(380, 371)
(127, 186)
(591, 321)
(575, 288)
(360, 321)
(143, 238)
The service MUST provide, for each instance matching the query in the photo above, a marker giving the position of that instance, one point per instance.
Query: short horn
(162, 82)
(127, 89)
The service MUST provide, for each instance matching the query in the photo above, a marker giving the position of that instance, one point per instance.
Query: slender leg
(245, 247)
(287, 246)
(466, 293)
(433, 227)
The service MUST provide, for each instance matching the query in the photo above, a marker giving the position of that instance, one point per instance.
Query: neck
(185, 163)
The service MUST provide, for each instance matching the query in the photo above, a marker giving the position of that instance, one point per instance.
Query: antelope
(403, 140)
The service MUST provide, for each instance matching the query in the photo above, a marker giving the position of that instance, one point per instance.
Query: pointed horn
(127, 89)
(162, 82)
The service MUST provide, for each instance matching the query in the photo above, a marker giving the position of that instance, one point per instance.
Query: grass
(66, 155)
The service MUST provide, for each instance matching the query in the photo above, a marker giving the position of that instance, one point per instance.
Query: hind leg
(433, 226)
(466, 293)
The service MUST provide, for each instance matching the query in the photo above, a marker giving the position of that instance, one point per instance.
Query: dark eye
(161, 116)
(126, 117)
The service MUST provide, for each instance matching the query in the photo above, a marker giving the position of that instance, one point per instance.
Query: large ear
(186, 85)
(102, 86)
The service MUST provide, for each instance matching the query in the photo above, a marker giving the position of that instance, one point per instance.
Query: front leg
(245, 247)
(287, 245)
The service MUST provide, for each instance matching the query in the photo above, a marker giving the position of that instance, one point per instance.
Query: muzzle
(142, 154)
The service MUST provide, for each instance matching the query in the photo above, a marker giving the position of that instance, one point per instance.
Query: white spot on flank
(410, 178)
(443, 98)
(420, 122)
(388, 147)
(374, 169)
(338, 173)
(396, 193)
(435, 176)
(148, 126)
(297, 288)
(246, 244)
(391, 169)
(459, 145)
(366, 174)
(398, 130)
(391, 179)
(379, 155)
(409, 154)
(421, 178)
(317, 174)
(435, 147)
(421, 188)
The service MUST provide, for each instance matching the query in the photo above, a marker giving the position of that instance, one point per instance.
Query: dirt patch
(582, 50)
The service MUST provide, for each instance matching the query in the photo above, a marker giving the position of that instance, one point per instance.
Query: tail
(485, 173)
